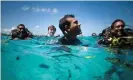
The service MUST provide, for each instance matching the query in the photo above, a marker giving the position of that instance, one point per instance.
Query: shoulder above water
(65, 41)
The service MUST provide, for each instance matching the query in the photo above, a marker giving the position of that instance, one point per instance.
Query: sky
(94, 16)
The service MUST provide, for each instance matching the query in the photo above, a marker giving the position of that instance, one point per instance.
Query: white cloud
(37, 26)
(26, 8)
(36, 9)
(7, 30)
(43, 9)
(55, 10)
(48, 10)
(39, 9)
(12, 28)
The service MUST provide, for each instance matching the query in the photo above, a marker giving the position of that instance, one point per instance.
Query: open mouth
(119, 32)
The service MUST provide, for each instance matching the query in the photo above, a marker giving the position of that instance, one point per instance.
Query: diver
(21, 33)
(93, 34)
(51, 31)
(70, 28)
(115, 35)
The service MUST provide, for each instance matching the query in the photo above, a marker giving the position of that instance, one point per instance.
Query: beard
(79, 31)
(120, 33)
(117, 33)
(22, 34)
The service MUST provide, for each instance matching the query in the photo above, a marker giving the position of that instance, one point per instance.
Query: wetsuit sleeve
(29, 33)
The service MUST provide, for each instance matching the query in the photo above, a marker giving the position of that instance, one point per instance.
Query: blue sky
(94, 16)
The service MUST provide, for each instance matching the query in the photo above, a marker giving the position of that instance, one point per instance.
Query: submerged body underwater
(40, 59)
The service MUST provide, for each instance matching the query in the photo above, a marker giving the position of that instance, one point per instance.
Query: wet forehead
(119, 23)
(71, 19)
(21, 26)
(51, 28)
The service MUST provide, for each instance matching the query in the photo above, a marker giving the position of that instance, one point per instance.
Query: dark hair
(117, 20)
(94, 34)
(64, 22)
(103, 32)
(21, 25)
(52, 26)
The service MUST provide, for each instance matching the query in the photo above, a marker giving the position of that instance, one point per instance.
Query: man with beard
(21, 33)
(70, 28)
(115, 34)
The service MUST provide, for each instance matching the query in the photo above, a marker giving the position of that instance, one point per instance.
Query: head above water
(21, 27)
(118, 24)
(118, 27)
(51, 30)
(69, 26)
(93, 34)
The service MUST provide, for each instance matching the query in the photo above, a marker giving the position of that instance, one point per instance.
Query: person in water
(93, 34)
(70, 28)
(21, 32)
(51, 31)
(116, 31)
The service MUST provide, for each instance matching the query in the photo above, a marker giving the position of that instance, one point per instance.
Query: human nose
(21, 29)
(80, 32)
(79, 25)
(52, 30)
(120, 27)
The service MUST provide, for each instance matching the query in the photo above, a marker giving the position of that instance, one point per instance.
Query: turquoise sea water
(40, 59)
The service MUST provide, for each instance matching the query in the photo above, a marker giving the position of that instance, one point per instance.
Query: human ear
(67, 29)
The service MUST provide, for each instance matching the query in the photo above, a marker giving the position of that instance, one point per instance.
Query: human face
(21, 28)
(51, 31)
(118, 26)
(74, 29)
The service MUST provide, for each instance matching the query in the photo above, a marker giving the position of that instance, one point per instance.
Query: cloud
(48, 10)
(39, 9)
(36, 9)
(55, 10)
(37, 26)
(12, 28)
(43, 9)
(26, 8)
(7, 30)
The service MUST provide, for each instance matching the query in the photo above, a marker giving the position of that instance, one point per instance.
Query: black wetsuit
(21, 35)
(65, 41)
(106, 34)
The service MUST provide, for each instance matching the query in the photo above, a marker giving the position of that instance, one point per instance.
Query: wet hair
(64, 22)
(52, 26)
(117, 20)
(21, 25)
(94, 34)
(103, 32)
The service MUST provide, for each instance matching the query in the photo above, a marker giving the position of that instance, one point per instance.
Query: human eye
(76, 22)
